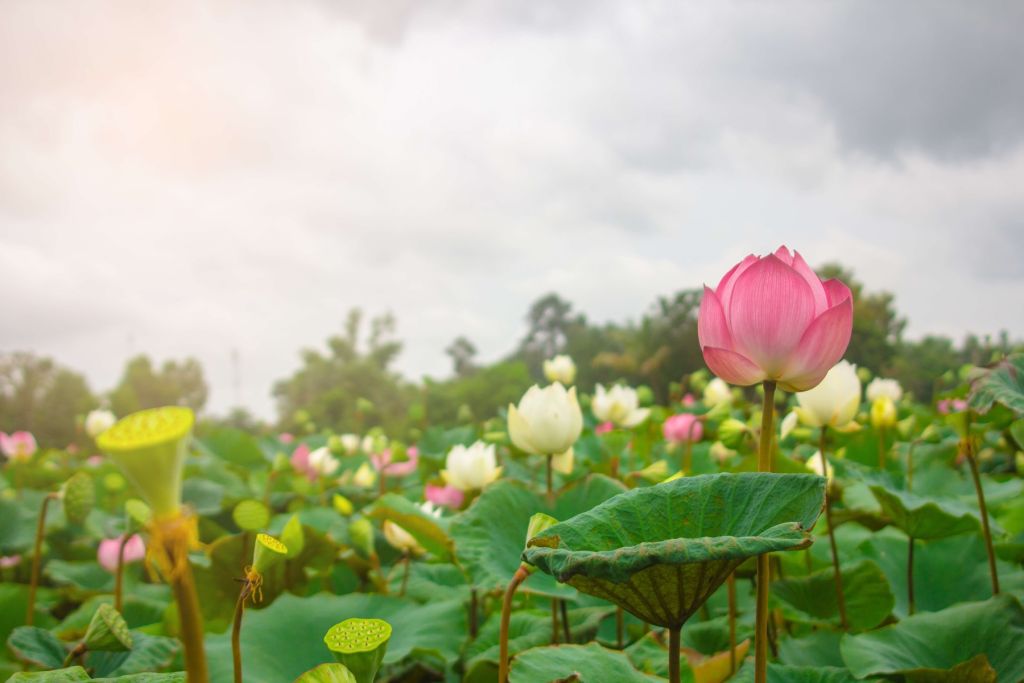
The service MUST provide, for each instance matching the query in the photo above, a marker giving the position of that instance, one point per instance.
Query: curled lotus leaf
(660, 552)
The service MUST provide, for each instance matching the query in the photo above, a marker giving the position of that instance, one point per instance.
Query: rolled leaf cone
(359, 644)
(107, 631)
(293, 537)
(79, 496)
(267, 552)
(538, 523)
(150, 447)
(659, 552)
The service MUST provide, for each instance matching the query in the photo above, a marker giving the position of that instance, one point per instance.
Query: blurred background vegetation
(350, 386)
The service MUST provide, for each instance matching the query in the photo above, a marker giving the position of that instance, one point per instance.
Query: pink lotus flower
(448, 496)
(285, 438)
(688, 400)
(19, 446)
(382, 462)
(683, 428)
(134, 550)
(300, 461)
(951, 405)
(604, 428)
(773, 319)
(8, 561)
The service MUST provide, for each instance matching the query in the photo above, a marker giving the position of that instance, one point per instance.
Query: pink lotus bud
(773, 319)
(688, 400)
(604, 428)
(448, 496)
(683, 428)
(134, 550)
(300, 461)
(19, 446)
(382, 462)
(8, 561)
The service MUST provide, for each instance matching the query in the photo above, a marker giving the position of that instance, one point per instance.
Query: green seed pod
(267, 552)
(79, 496)
(359, 644)
(107, 631)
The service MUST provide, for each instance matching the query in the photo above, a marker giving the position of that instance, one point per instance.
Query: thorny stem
(30, 612)
(506, 616)
(837, 573)
(764, 464)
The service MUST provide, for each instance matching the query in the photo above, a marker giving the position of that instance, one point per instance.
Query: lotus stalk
(731, 588)
(267, 551)
(967, 445)
(764, 464)
(836, 571)
(30, 611)
(506, 617)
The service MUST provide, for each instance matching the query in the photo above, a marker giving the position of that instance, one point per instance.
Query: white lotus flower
(834, 402)
(561, 368)
(879, 387)
(563, 462)
(365, 476)
(98, 421)
(322, 462)
(620, 405)
(349, 443)
(471, 468)
(400, 539)
(788, 424)
(717, 392)
(547, 421)
(814, 465)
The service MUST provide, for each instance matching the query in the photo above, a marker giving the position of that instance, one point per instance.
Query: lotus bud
(251, 515)
(619, 405)
(834, 401)
(110, 548)
(719, 412)
(79, 496)
(717, 393)
(683, 428)
(538, 523)
(656, 471)
(267, 552)
(107, 631)
(814, 465)
(360, 533)
(332, 672)
(774, 319)
(349, 443)
(138, 511)
(699, 380)
(731, 432)
(720, 452)
(359, 645)
(99, 421)
(560, 369)
(365, 476)
(883, 413)
(150, 446)
(19, 446)
(471, 468)
(547, 421)
(464, 414)
(884, 387)
(563, 462)
(864, 375)
(342, 505)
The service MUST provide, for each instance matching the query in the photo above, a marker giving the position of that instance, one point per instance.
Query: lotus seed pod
(107, 631)
(267, 552)
(251, 515)
(79, 496)
(293, 537)
(327, 673)
(359, 644)
(360, 533)
(150, 447)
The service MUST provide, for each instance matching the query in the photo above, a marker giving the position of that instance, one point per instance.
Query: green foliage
(39, 396)
(590, 663)
(143, 386)
(484, 391)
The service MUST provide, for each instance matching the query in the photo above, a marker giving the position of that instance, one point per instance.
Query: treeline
(351, 384)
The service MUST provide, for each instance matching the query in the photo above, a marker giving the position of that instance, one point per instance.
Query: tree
(349, 388)
(462, 353)
(176, 383)
(41, 397)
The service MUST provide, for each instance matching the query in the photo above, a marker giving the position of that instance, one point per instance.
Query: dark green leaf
(1004, 384)
(37, 646)
(926, 518)
(591, 663)
(869, 600)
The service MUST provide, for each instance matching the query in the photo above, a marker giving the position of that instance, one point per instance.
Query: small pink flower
(382, 462)
(772, 318)
(8, 561)
(285, 438)
(951, 405)
(134, 550)
(604, 428)
(683, 428)
(94, 460)
(449, 496)
(20, 446)
(300, 461)
(688, 400)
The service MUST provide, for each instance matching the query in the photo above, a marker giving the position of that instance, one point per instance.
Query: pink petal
(732, 367)
(821, 303)
(449, 496)
(783, 254)
(771, 308)
(725, 286)
(821, 347)
(836, 291)
(712, 328)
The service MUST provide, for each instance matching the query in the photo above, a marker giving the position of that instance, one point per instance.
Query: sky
(213, 179)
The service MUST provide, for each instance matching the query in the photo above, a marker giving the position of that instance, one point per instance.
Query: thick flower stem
(405, 575)
(881, 448)
(119, 574)
(910, 575)
(506, 616)
(836, 572)
(620, 639)
(473, 613)
(731, 585)
(764, 464)
(236, 632)
(983, 509)
(673, 654)
(171, 534)
(566, 629)
(550, 467)
(554, 621)
(30, 612)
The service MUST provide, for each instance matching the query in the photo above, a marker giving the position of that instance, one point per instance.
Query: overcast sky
(191, 178)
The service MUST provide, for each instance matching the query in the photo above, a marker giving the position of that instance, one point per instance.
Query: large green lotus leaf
(1002, 384)
(430, 582)
(650, 656)
(946, 571)
(926, 518)
(781, 673)
(816, 649)
(869, 600)
(233, 446)
(427, 530)
(590, 663)
(85, 577)
(70, 675)
(148, 653)
(37, 646)
(137, 611)
(490, 535)
(659, 552)
(146, 677)
(286, 639)
(924, 645)
(14, 602)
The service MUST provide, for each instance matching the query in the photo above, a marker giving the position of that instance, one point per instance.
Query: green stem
(75, 652)
(836, 572)
(973, 462)
(550, 467)
(673, 655)
(881, 448)
(910, 465)
(190, 619)
(910, 575)
(30, 612)
(764, 464)
(506, 616)
(119, 573)
(236, 632)
(554, 621)
(472, 613)
(566, 629)
(731, 585)
(620, 636)
(405, 575)
(688, 455)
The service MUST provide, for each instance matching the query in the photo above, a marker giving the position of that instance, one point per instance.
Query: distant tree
(349, 388)
(39, 396)
(462, 351)
(919, 365)
(143, 386)
(484, 392)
